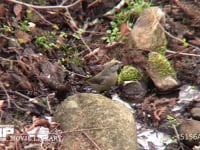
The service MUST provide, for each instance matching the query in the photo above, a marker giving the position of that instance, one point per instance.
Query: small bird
(105, 79)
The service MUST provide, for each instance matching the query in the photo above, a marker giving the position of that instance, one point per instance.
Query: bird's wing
(96, 80)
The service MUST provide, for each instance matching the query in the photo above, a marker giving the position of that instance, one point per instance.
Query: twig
(185, 9)
(45, 7)
(183, 54)
(158, 112)
(74, 28)
(176, 53)
(79, 75)
(20, 94)
(42, 17)
(91, 140)
(32, 146)
(24, 96)
(94, 3)
(177, 136)
(48, 102)
(20, 108)
(82, 130)
(63, 2)
(7, 95)
(172, 36)
(115, 9)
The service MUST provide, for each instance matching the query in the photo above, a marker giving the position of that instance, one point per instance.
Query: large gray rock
(147, 32)
(95, 119)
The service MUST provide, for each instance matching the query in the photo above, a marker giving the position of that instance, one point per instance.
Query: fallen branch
(7, 95)
(91, 140)
(45, 7)
(84, 129)
(182, 54)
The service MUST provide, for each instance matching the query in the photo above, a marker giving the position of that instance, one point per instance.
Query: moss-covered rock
(129, 73)
(161, 72)
(161, 65)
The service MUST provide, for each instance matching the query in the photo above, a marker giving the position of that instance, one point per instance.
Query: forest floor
(48, 47)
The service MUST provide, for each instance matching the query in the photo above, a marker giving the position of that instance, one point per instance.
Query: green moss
(134, 8)
(129, 73)
(161, 65)
(162, 50)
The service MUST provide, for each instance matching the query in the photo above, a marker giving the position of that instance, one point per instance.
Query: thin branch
(74, 28)
(76, 74)
(86, 129)
(48, 102)
(177, 136)
(63, 2)
(115, 9)
(182, 54)
(20, 108)
(7, 95)
(45, 7)
(42, 17)
(178, 39)
(20, 94)
(91, 140)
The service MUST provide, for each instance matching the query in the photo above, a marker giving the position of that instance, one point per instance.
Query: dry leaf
(125, 29)
(2, 10)
(17, 10)
(23, 37)
(1, 104)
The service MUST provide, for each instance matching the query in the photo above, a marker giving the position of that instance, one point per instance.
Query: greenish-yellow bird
(105, 79)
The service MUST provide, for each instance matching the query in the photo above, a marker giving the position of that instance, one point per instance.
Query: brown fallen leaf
(23, 37)
(39, 122)
(18, 11)
(1, 104)
(125, 29)
(2, 10)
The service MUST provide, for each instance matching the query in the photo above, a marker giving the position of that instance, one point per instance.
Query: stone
(189, 132)
(147, 32)
(92, 118)
(195, 113)
(161, 72)
(129, 73)
(133, 91)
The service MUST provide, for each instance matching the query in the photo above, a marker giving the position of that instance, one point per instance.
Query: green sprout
(8, 29)
(69, 56)
(185, 43)
(113, 34)
(172, 121)
(29, 14)
(24, 25)
(77, 34)
(43, 42)
(134, 8)
(138, 6)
